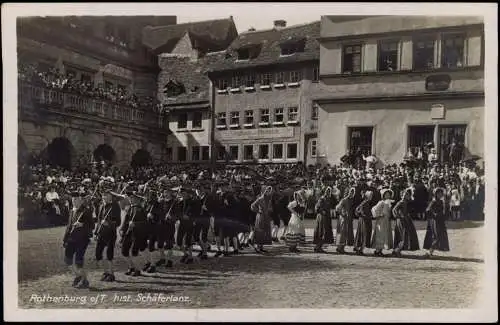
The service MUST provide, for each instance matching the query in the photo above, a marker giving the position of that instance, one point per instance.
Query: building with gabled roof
(185, 52)
(395, 86)
(263, 111)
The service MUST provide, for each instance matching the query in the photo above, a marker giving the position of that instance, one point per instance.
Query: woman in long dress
(345, 233)
(405, 234)
(382, 231)
(262, 206)
(436, 237)
(364, 231)
(323, 234)
(296, 234)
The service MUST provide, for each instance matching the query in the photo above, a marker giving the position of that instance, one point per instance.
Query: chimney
(278, 24)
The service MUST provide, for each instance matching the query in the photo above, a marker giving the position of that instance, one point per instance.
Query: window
(123, 36)
(181, 154)
(248, 117)
(419, 137)
(315, 73)
(236, 81)
(205, 153)
(197, 118)
(278, 151)
(288, 50)
(221, 153)
(279, 116)
(293, 114)
(107, 84)
(222, 84)
(351, 59)
(122, 88)
(235, 118)
(195, 154)
(291, 151)
(451, 142)
(109, 30)
(360, 140)
(221, 118)
(182, 121)
(295, 76)
(423, 54)
(264, 116)
(250, 80)
(388, 56)
(233, 152)
(248, 152)
(85, 77)
(243, 54)
(314, 148)
(314, 112)
(264, 151)
(265, 79)
(280, 77)
(168, 154)
(452, 51)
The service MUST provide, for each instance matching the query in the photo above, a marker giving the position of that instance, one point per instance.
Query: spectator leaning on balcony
(54, 79)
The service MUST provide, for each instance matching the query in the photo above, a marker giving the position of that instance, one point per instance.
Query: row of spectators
(464, 184)
(53, 78)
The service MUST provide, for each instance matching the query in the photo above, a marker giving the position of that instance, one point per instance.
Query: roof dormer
(291, 46)
(173, 89)
(248, 52)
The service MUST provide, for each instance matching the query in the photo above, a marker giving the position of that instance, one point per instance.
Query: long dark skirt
(436, 236)
(405, 235)
(363, 233)
(230, 227)
(262, 230)
(323, 231)
(345, 231)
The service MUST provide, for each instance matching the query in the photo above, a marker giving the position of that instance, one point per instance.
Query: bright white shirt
(51, 196)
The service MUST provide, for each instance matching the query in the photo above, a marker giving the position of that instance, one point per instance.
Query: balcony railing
(33, 98)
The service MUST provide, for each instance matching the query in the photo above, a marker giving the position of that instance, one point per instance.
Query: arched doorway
(106, 153)
(141, 158)
(60, 152)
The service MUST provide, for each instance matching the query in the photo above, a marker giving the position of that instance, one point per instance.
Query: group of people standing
(152, 219)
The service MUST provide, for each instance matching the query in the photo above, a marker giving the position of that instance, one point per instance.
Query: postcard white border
(489, 299)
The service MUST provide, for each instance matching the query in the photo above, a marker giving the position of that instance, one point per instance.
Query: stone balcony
(35, 101)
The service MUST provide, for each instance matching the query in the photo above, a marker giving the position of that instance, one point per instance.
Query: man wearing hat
(190, 208)
(77, 237)
(154, 208)
(108, 219)
(132, 232)
(202, 223)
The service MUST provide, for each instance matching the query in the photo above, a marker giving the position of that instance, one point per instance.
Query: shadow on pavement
(130, 289)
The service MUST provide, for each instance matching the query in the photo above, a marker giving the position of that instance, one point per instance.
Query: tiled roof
(270, 52)
(165, 37)
(192, 74)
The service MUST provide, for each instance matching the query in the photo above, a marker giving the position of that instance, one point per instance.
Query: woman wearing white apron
(382, 231)
(296, 233)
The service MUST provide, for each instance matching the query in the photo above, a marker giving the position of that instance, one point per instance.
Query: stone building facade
(392, 84)
(185, 52)
(262, 104)
(100, 50)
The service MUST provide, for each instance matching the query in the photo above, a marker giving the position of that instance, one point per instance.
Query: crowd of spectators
(53, 78)
(464, 183)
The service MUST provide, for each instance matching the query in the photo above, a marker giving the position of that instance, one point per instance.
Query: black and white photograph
(250, 157)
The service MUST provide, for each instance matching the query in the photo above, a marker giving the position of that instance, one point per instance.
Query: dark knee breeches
(76, 250)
